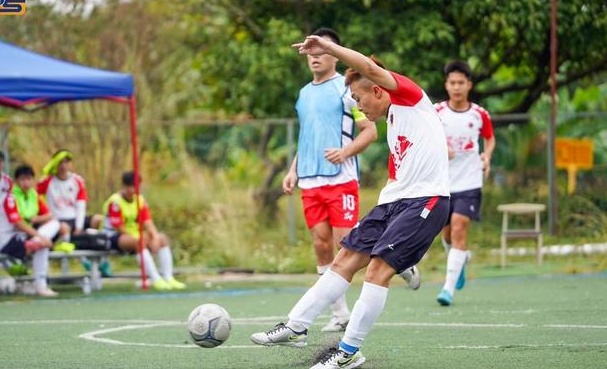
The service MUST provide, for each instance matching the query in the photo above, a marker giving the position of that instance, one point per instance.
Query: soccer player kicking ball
(411, 210)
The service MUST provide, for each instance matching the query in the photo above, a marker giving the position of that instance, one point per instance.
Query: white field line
(150, 324)
(539, 345)
(454, 325)
(253, 320)
(576, 326)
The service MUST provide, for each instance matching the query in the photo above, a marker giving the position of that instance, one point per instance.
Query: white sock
(148, 262)
(340, 307)
(455, 263)
(49, 229)
(40, 267)
(328, 288)
(165, 261)
(365, 312)
(446, 245)
(321, 269)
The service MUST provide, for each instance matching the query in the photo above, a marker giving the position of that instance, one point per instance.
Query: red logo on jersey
(469, 145)
(400, 150)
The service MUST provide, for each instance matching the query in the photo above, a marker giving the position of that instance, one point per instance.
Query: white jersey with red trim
(62, 196)
(463, 130)
(9, 215)
(6, 185)
(418, 162)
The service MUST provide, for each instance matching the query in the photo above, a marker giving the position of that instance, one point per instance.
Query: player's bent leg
(340, 313)
(459, 237)
(366, 310)
(322, 239)
(281, 335)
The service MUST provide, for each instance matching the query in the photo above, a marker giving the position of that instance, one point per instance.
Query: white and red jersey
(65, 198)
(463, 130)
(418, 162)
(9, 215)
(6, 185)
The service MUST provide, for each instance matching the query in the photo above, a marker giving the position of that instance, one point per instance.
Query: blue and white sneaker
(281, 335)
(444, 298)
(338, 359)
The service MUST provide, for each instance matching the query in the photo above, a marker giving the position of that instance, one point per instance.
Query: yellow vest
(129, 212)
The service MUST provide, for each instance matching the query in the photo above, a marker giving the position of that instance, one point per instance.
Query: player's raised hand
(313, 45)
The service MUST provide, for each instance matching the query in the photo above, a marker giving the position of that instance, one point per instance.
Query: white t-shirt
(418, 162)
(62, 196)
(463, 131)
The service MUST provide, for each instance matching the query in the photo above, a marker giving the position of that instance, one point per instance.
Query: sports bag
(99, 241)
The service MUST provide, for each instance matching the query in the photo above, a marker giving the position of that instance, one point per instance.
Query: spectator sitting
(27, 227)
(66, 195)
(121, 222)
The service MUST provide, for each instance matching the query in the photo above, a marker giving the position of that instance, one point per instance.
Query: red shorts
(337, 203)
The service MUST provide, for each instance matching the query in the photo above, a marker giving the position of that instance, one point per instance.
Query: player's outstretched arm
(315, 45)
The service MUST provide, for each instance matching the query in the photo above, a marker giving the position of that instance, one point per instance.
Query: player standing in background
(465, 123)
(325, 166)
(412, 209)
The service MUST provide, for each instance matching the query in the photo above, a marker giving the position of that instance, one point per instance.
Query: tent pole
(133, 118)
(552, 185)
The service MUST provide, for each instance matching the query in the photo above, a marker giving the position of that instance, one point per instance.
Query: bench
(508, 233)
(90, 281)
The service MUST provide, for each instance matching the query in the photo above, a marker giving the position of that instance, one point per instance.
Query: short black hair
(328, 32)
(2, 156)
(128, 178)
(458, 66)
(24, 170)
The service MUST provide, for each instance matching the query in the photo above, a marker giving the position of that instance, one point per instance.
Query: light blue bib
(320, 109)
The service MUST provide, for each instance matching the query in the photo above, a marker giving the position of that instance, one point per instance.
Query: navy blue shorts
(114, 241)
(400, 232)
(15, 247)
(467, 203)
(72, 222)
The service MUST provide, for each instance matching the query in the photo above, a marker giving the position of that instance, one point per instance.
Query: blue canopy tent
(30, 81)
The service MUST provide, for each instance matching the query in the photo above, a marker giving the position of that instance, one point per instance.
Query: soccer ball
(209, 325)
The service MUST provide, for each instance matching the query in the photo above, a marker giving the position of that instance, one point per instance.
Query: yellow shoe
(66, 247)
(175, 284)
(161, 285)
